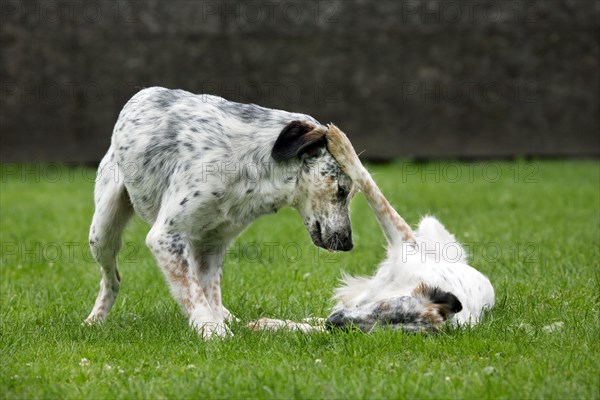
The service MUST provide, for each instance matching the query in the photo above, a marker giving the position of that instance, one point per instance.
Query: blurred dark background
(422, 79)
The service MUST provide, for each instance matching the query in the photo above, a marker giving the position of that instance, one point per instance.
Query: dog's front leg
(171, 250)
(209, 267)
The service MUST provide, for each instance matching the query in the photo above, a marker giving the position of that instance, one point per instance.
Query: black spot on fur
(162, 103)
(196, 194)
(449, 303)
(185, 199)
(166, 98)
(160, 150)
(176, 247)
(295, 139)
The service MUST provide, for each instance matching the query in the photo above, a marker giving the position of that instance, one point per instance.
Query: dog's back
(200, 138)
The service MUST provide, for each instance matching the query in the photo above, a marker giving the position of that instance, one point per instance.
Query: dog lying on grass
(417, 288)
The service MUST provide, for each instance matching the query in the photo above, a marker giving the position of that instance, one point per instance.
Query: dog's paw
(229, 317)
(342, 150)
(268, 324)
(317, 321)
(211, 330)
(93, 319)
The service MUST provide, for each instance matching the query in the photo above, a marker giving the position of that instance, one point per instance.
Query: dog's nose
(347, 243)
(342, 241)
(337, 320)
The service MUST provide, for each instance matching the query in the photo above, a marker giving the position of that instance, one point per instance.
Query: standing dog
(200, 169)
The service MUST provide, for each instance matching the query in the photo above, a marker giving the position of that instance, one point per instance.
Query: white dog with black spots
(199, 169)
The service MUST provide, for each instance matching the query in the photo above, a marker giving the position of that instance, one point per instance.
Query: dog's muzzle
(337, 241)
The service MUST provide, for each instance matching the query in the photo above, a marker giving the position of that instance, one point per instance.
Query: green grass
(533, 228)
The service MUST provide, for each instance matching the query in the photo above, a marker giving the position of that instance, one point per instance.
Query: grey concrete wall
(403, 78)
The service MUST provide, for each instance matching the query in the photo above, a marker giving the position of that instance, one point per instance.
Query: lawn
(532, 227)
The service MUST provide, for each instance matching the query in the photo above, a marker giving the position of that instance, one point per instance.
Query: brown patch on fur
(178, 272)
(421, 290)
(199, 297)
(187, 304)
(439, 304)
(340, 148)
(444, 310)
(431, 315)
(203, 267)
(382, 307)
(361, 184)
(315, 134)
(216, 295)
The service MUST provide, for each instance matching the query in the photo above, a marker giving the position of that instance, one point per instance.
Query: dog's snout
(331, 239)
(337, 320)
(341, 241)
(346, 242)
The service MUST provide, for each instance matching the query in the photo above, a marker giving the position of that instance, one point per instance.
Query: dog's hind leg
(112, 211)
(394, 227)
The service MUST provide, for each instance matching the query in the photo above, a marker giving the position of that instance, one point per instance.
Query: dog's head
(323, 191)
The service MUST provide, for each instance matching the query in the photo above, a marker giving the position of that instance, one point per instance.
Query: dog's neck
(280, 182)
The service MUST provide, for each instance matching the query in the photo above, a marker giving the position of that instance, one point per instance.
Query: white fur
(407, 266)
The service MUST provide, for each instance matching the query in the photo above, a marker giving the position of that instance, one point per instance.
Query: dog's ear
(298, 138)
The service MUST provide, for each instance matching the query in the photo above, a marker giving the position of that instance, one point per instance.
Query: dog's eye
(312, 151)
(342, 192)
